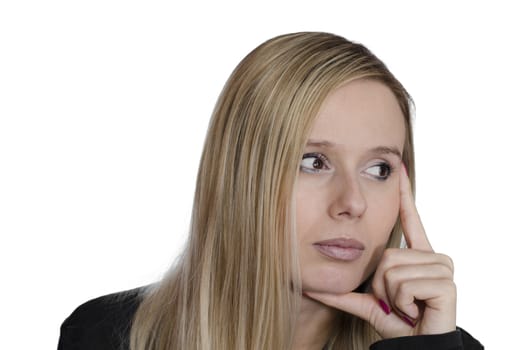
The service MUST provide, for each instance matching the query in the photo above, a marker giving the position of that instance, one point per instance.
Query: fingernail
(384, 306)
(408, 321)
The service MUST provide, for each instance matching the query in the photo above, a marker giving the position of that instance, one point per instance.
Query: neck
(313, 326)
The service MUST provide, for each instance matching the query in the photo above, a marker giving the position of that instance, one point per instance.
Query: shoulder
(456, 340)
(101, 323)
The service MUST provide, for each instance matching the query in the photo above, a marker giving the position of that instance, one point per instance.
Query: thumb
(363, 305)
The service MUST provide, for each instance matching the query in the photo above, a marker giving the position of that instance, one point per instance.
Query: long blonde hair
(237, 284)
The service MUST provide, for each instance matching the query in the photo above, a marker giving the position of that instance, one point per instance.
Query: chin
(335, 281)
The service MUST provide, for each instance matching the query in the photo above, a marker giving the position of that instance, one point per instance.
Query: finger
(397, 276)
(366, 307)
(439, 298)
(393, 257)
(410, 260)
(413, 229)
(436, 293)
(362, 305)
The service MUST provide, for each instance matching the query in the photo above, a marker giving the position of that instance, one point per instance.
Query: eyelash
(388, 167)
(385, 165)
(319, 156)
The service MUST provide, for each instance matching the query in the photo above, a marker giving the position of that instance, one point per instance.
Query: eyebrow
(376, 150)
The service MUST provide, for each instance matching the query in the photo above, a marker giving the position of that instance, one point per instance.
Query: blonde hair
(237, 284)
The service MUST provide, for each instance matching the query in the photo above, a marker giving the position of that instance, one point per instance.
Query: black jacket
(104, 324)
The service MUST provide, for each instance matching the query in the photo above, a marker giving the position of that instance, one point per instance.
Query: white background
(104, 107)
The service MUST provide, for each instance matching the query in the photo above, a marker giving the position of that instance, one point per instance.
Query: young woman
(304, 190)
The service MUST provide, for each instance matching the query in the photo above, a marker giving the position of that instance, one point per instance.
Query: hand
(416, 284)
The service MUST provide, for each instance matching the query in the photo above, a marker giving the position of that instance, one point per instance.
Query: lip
(342, 249)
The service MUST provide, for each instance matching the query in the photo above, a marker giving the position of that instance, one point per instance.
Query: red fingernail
(408, 321)
(384, 306)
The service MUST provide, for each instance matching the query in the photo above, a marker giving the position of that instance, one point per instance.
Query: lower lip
(339, 253)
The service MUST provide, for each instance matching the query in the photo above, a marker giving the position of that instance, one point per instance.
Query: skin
(346, 193)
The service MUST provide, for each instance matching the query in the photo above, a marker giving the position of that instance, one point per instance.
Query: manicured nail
(408, 321)
(384, 306)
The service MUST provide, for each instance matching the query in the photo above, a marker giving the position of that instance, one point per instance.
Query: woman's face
(347, 193)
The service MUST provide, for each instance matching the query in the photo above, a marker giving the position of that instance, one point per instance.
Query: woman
(304, 189)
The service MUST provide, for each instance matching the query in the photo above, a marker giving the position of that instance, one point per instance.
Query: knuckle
(448, 261)
(403, 296)
(391, 275)
(391, 280)
(389, 255)
(404, 289)
(445, 271)
(401, 304)
(447, 289)
(451, 287)
(384, 261)
(377, 287)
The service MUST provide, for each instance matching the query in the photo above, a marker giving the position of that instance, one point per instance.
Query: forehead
(360, 114)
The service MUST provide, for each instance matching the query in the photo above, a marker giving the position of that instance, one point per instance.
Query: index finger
(413, 229)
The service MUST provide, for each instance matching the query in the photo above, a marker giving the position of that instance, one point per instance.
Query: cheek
(308, 210)
(384, 210)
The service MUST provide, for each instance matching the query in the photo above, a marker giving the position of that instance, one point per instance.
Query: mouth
(342, 249)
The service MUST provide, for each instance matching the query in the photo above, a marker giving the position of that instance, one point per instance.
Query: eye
(381, 171)
(314, 163)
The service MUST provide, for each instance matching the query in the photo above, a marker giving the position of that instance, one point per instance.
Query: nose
(348, 200)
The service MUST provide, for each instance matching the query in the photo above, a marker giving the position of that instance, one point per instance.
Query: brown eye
(318, 164)
(381, 171)
(314, 163)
